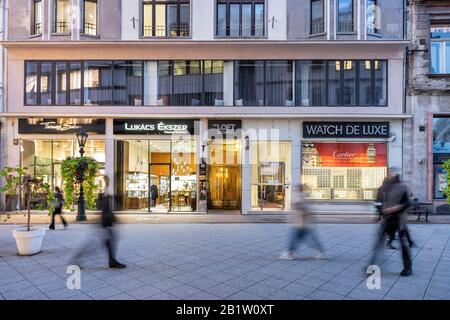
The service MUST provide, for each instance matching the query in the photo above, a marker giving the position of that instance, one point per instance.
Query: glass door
(271, 188)
(159, 188)
(225, 187)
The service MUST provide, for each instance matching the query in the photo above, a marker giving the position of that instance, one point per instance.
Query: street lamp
(82, 137)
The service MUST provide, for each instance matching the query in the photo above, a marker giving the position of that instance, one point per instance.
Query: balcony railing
(345, 26)
(90, 28)
(62, 27)
(166, 31)
(37, 28)
(240, 31)
(317, 26)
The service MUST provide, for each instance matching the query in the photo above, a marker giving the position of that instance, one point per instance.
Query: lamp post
(82, 137)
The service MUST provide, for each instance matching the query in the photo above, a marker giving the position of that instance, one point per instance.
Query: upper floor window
(373, 17)
(240, 18)
(190, 83)
(166, 18)
(84, 83)
(62, 16)
(36, 23)
(440, 49)
(90, 17)
(341, 83)
(345, 16)
(263, 83)
(317, 17)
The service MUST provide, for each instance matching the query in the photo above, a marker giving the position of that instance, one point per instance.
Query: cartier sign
(154, 126)
(346, 129)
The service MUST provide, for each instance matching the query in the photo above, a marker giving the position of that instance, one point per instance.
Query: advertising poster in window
(349, 155)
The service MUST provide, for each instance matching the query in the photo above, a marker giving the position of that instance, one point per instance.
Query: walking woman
(58, 204)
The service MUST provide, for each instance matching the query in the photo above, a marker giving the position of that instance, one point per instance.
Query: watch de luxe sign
(60, 126)
(154, 126)
(346, 129)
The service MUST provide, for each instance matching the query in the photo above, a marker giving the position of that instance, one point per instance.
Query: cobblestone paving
(225, 261)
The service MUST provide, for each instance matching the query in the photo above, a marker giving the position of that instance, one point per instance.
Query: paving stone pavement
(224, 261)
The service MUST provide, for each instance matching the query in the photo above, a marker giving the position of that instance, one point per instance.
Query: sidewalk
(225, 261)
(150, 218)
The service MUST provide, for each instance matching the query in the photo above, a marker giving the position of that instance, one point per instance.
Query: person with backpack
(57, 205)
(394, 197)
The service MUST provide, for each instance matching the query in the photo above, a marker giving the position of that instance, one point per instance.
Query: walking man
(58, 204)
(394, 197)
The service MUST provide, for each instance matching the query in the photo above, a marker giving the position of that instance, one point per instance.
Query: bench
(419, 209)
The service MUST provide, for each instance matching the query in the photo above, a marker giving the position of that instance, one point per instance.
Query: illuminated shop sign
(346, 129)
(60, 125)
(153, 126)
(226, 129)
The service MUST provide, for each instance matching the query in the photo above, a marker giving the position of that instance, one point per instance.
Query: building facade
(204, 105)
(429, 101)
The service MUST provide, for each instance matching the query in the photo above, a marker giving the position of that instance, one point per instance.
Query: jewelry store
(156, 165)
(345, 161)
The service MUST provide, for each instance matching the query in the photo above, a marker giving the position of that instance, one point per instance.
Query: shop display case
(137, 190)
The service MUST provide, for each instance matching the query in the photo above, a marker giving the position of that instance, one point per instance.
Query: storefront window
(271, 175)
(343, 171)
(43, 158)
(156, 175)
(441, 153)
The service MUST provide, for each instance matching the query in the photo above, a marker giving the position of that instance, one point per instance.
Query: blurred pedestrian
(108, 233)
(303, 229)
(394, 197)
(57, 206)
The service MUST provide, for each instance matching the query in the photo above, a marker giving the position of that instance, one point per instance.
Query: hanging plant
(78, 169)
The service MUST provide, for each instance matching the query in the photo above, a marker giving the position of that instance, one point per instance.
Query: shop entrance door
(271, 188)
(159, 188)
(224, 187)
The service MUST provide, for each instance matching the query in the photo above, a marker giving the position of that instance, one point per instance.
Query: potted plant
(28, 238)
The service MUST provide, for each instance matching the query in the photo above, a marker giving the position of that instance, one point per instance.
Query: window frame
(55, 20)
(83, 19)
(338, 31)
(311, 18)
(442, 53)
(376, 32)
(171, 68)
(265, 82)
(68, 88)
(228, 4)
(166, 3)
(33, 29)
(356, 63)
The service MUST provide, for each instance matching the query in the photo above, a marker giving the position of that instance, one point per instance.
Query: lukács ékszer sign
(346, 130)
(154, 126)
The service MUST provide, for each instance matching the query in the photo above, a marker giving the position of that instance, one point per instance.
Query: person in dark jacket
(57, 209)
(108, 220)
(394, 197)
(109, 236)
(153, 194)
